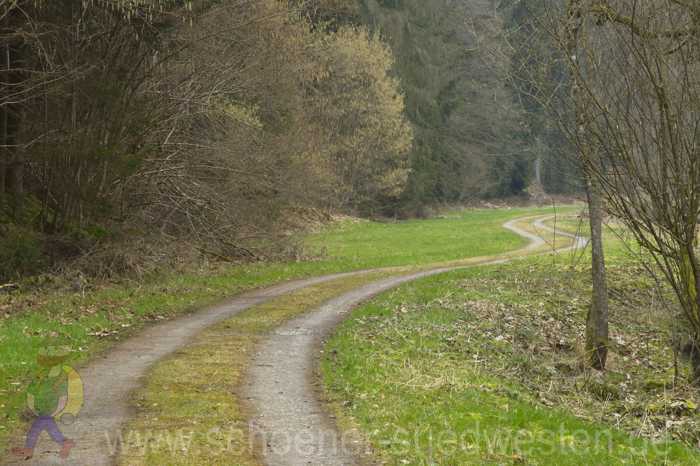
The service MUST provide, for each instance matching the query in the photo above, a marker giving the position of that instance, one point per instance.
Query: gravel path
(109, 380)
(288, 422)
(281, 392)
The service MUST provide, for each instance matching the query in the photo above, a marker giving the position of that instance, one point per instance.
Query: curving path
(280, 390)
(109, 380)
(289, 423)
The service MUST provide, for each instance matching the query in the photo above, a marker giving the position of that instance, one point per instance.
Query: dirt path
(109, 380)
(289, 423)
(281, 391)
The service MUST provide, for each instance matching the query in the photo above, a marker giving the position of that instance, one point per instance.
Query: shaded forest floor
(482, 366)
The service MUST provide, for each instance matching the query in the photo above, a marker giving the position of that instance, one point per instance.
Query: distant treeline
(220, 123)
(477, 131)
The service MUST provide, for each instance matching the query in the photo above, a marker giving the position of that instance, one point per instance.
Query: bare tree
(631, 105)
(641, 89)
(597, 319)
(552, 78)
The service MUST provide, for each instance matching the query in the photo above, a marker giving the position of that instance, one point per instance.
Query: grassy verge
(481, 366)
(188, 412)
(91, 321)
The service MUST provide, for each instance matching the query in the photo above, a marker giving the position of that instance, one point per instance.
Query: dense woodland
(224, 125)
(206, 122)
(477, 134)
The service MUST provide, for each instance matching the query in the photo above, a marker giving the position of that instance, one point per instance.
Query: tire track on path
(289, 423)
(110, 379)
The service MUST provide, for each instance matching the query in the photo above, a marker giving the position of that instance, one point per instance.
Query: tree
(362, 110)
(597, 318)
(469, 138)
(549, 78)
(633, 69)
(534, 71)
(638, 80)
(212, 124)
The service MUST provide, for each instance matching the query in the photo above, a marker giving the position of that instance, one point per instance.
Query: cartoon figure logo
(55, 394)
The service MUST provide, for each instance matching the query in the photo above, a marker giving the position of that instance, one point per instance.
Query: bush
(21, 251)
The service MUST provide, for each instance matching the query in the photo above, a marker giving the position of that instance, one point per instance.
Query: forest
(228, 125)
(335, 232)
(213, 123)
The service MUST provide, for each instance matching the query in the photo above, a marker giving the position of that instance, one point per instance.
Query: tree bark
(538, 161)
(5, 157)
(15, 185)
(597, 320)
(12, 175)
(689, 277)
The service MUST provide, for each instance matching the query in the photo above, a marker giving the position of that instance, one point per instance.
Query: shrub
(21, 251)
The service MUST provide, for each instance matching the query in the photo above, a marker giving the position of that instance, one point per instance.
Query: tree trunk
(689, 277)
(15, 185)
(12, 175)
(6, 154)
(597, 320)
(13, 165)
(5, 157)
(538, 161)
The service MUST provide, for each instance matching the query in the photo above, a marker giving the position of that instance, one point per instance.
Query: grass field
(454, 236)
(481, 366)
(90, 322)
